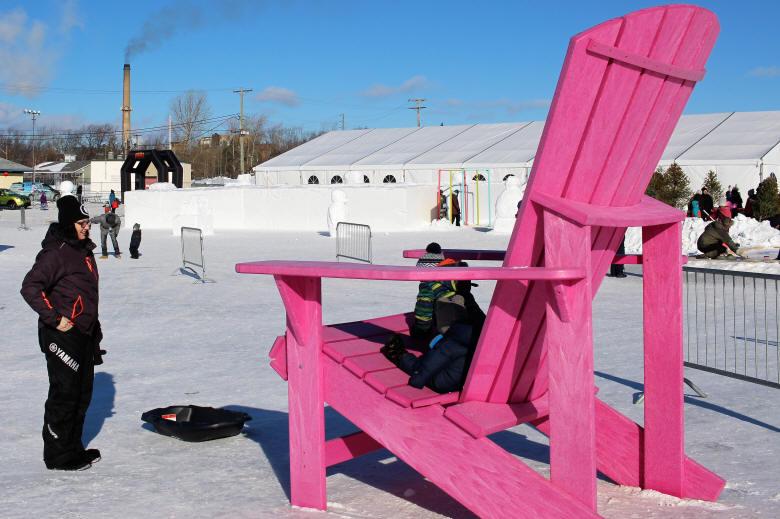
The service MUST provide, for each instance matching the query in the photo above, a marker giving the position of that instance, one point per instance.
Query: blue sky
(310, 61)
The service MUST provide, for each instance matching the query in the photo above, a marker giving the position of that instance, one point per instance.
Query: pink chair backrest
(622, 89)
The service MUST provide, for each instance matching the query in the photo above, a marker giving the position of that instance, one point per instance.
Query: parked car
(28, 188)
(12, 200)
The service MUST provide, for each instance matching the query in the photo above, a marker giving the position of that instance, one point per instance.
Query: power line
(418, 108)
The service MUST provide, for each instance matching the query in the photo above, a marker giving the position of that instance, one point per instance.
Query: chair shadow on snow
(693, 400)
(380, 469)
(102, 406)
(5, 247)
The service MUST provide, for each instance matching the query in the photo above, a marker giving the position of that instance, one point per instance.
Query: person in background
(111, 198)
(62, 288)
(706, 204)
(106, 210)
(750, 203)
(135, 241)
(44, 201)
(455, 208)
(109, 226)
(694, 207)
(715, 240)
(736, 198)
(78, 194)
(443, 208)
(615, 270)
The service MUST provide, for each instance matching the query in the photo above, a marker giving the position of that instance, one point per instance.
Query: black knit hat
(71, 210)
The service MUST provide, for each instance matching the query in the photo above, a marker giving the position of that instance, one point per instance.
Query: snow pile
(748, 232)
(443, 224)
(162, 186)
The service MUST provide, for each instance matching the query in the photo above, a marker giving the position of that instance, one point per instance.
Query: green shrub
(767, 203)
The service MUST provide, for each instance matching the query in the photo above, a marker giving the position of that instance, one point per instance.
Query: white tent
(741, 147)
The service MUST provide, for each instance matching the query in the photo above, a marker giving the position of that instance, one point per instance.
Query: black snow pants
(71, 366)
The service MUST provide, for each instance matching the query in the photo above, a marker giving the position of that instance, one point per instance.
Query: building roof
(716, 138)
(9, 165)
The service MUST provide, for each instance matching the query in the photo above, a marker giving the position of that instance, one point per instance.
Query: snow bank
(282, 208)
(748, 232)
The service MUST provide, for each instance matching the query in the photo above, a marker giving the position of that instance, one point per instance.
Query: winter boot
(92, 455)
(76, 461)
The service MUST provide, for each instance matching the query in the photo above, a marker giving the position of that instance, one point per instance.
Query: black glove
(99, 356)
(393, 349)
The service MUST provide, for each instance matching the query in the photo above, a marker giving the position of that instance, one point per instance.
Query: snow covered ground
(172, 341)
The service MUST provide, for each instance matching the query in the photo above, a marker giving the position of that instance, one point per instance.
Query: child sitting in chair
(444, 365)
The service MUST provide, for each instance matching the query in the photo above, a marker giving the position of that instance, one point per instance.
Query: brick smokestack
(126, 109)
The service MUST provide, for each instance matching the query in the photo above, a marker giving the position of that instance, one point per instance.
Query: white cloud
(772, 71)
(412, 84)
(278, 95)
(27, 59)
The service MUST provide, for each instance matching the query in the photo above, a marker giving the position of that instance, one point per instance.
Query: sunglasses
(83, 223)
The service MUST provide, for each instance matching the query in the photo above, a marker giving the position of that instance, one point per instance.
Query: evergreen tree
(767, 203)
(713, 186)
(656, 185)
(677, 191)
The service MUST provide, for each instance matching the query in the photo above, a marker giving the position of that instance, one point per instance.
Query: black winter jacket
(64, 282)
(444, 367)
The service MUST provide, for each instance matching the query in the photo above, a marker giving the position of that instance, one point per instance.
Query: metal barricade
(731, 324)
(192, 251)
(353, 241)
(22, 220)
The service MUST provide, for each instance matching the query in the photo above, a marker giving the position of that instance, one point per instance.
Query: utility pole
(418, 108)
(170, 132)
(34, 114)
(241, 91)
(342, 122)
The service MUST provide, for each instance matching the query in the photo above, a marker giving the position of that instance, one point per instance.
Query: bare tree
(189, 110)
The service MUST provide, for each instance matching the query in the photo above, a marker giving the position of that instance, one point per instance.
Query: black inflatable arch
(138, 162)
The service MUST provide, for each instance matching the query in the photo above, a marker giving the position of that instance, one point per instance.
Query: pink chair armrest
(462, 254)
(324, 269)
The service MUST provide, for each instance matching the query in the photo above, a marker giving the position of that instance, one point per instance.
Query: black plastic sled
(192, 423)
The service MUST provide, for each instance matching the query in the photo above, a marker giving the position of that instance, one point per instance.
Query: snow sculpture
(507, 205)
(66, 187)
(337, 211)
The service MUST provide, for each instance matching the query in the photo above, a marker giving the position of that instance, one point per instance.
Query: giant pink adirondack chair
(622, 89)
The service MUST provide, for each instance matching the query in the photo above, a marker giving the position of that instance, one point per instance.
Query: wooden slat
(646, 63)
(647, 212)
(340, 351)
(364, 364)
(381, 381)
(481, 419)
(408, 396)
(461, 254)
(398, 323)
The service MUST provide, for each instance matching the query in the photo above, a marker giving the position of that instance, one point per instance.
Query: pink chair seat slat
(364, 364)
(384, 380)
(481, 418)
(382, 326)
(408, 396)
(340, 351)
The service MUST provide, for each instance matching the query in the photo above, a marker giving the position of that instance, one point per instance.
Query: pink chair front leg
(570, 363)
(302, 298)
(664, 447)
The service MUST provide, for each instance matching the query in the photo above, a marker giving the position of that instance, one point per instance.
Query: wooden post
(303, 302)
(570, 363)
(664, 447)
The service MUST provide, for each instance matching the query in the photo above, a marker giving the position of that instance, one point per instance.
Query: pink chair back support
(635, 75)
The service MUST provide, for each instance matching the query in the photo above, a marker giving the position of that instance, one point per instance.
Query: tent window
(389, 179)
(313, 180)
(336, 179)
(479, 177)
(366, 180)
(507, 176)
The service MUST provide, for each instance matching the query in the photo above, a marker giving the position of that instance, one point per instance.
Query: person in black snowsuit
(455, 208)
(62, 287)
(736, 198)
(135, 241)
(444, 365)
